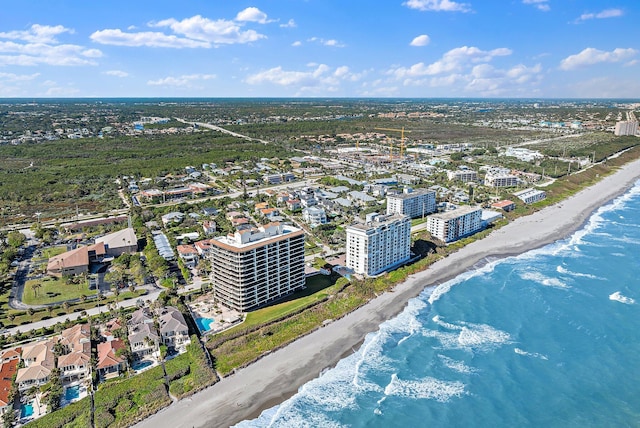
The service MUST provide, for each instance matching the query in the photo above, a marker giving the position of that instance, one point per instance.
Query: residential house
(9, 361)
(143, 337)
(174, 331)
(172, 217)
(109, 365)
(209, 227)
(314, 216)
(202, 247)
(189, 254)
(293, 204)
(39, 360)
(75, 362)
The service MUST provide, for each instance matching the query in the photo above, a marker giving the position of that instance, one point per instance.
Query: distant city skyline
(320, 48)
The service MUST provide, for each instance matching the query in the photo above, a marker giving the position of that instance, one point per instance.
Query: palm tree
(35, 287)
(66, 306)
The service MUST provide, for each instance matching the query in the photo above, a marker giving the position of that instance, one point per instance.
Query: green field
(318, 287)
(53, 290)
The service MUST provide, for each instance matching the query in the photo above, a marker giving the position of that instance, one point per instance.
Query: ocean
(548, 338)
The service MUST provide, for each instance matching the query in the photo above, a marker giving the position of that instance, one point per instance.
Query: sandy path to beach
(279, 375)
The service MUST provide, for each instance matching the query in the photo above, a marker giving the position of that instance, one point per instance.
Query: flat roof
(415, 193)
(460, 211)
(229, 245)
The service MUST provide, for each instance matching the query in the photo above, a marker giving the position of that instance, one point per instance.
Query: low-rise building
(117, 243)
(464, 175)
(455, 224)
(530, 196)
(505, 205)
(501, 180)
(314, 215)
(412, 203)
(109, 364)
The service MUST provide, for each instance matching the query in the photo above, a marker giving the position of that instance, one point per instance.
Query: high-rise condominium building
(379, 244)
(256, 266)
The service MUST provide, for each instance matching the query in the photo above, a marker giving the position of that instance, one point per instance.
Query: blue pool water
(204, 324)
(27, 410)
(72, 393)
(548, 339)
(139, 365)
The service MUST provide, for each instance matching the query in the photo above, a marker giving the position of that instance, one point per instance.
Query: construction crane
(402, 145)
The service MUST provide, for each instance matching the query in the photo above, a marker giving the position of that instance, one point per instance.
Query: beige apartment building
(253, 267)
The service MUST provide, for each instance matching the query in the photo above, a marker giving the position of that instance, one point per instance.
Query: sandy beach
(279, 375)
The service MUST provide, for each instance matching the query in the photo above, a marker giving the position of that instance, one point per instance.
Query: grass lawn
(53, 290)
(47, 253)
(318, 287)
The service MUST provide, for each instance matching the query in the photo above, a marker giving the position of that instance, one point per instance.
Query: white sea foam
(426, 388)
(455, 365)
(565, 271)
(543, 279)
(470, 336)
(530, 354)
(618, 297)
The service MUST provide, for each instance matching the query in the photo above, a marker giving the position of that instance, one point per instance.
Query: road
(219, 129)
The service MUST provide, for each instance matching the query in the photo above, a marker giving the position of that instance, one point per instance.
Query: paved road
(219, 129)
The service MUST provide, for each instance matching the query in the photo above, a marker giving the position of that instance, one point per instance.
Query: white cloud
(318, 79)
(542, 5)
(38, 45)
(296, 43)
(590, 56)
(289, 24)
(330, 42)
(186, 80)
(10, 77)
(37, 33)
(453, 60)
(116, 73)
(252, 14)
(607, 13)
(31, 54)
(421, 40)
(438, 5)
(152, 39)
(58, 91)
(194, 32)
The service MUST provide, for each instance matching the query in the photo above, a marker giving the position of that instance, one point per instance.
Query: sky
(320, 48)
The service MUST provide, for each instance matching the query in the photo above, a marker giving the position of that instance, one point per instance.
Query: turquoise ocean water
(550, 338)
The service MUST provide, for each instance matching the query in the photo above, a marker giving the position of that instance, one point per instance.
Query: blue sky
(320, 48)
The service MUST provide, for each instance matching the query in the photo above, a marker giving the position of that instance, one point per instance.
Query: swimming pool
(27, 410)
(204, 324)
(72, 393)
(141, 365)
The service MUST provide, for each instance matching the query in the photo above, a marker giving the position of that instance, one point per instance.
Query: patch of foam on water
(565, 271)
(470, 336)
(618, 297)
(426, 388)
(530, 354)
(543, 279)
(456, 365)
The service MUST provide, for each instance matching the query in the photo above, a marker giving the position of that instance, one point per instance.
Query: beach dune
(277, 376)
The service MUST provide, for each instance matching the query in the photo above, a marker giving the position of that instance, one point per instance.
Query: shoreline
(277, 376)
